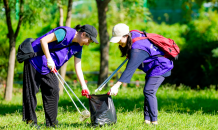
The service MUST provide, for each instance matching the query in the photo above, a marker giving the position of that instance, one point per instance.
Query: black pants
(32, 81)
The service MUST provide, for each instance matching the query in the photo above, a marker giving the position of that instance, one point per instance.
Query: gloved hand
(85, 91)
(114, 90)
(51, 65)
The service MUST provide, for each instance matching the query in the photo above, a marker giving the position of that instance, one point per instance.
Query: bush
(196, 64)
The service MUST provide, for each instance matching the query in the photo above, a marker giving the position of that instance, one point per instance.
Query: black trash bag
(102, 110)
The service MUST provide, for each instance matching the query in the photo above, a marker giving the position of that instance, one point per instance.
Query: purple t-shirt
(59, 57)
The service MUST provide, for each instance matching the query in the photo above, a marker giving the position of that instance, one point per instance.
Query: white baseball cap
(118, 32)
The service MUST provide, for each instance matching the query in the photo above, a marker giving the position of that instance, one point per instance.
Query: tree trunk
(68, 22)
(12, 40)
(61, 19)
(62, 73)
(104, 39)
(69, 11)
(10, 76)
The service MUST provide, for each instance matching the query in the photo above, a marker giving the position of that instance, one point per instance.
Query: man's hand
(85, 91)
(51, 65)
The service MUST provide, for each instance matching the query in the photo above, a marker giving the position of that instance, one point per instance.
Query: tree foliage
(128, 11)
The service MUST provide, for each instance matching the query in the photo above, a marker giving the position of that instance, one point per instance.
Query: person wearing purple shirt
(144, 55)
(39, 71)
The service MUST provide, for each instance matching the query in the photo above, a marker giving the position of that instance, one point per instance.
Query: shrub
(196, 64)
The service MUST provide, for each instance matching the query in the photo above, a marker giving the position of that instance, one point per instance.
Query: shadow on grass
(9, 109)
(179, 105)
(191, 106)
(170, 104)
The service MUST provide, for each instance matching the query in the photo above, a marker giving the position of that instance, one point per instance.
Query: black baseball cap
(91, 31)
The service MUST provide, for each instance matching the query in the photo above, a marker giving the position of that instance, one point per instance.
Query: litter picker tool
(84, 114)
(105, 82)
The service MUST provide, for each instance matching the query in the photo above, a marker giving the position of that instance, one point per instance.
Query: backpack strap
(137, 31)
(138, 38)
(41, 53)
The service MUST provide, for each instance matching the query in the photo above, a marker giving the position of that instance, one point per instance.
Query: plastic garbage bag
(102, 110)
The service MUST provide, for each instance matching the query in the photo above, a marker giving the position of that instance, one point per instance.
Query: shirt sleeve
(137, 56)
(167, 74)
(78, 55)
(60, 34)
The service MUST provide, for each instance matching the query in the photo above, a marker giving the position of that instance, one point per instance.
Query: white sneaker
(147, 122)
(154, 123)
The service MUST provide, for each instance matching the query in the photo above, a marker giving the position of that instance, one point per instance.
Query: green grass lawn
(179, 109)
